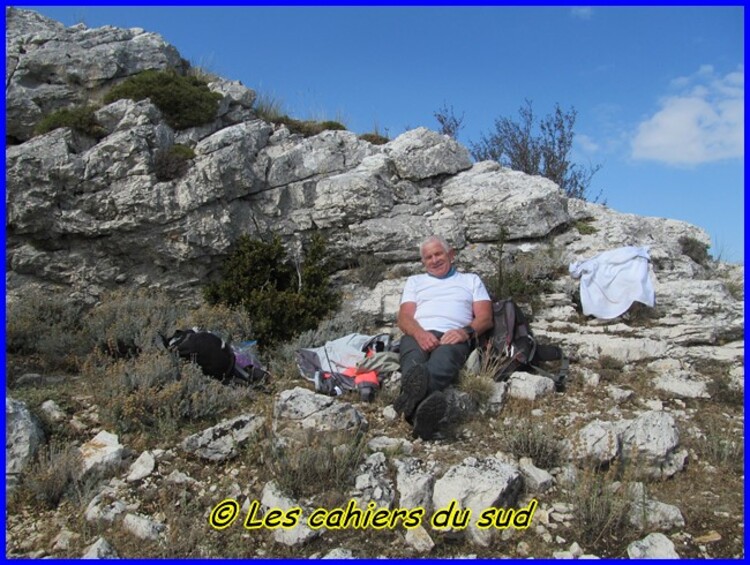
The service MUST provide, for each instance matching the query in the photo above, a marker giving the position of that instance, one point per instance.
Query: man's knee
(445, 364)
(410, 354)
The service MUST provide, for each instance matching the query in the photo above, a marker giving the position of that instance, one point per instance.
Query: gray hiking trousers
(443, 363)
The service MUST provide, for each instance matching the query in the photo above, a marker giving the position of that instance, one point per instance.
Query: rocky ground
(641, 455)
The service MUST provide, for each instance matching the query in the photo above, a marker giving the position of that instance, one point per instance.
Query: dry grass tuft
(601, 506)
(533, 439)
(322, 463)
(52, 477)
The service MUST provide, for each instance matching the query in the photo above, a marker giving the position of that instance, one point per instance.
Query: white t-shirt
(444, 304)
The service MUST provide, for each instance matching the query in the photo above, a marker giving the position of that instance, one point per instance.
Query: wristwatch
(471, 331)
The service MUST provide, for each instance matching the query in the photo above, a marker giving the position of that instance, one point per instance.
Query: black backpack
(213, 355)
(511, 346)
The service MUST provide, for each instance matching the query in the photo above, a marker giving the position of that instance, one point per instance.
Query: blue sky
(658, 91)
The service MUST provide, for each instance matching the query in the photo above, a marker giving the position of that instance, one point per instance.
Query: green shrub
(694, 249)
(185, 101)
(271, 110)
(281, 297)
(308, 128)
(374, 138)
(516, 284)
(156, 395)
(231, 323)
(172, 163)
(584, 227)
(331, 125)
(48, 327)
(524, 279)
(78, 118)
(127, 322)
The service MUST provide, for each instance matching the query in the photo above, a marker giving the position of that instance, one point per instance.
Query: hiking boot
(366, 393)
(428, 414)
(414, 385)
(559, 384)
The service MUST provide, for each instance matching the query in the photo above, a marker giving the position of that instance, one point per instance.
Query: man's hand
(426, 340)
(451, 337)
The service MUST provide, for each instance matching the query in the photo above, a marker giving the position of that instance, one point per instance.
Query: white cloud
(586, 144)
(701, 123)
(582, 12)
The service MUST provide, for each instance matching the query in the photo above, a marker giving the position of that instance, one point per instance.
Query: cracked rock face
(50, 67)
(92, 216)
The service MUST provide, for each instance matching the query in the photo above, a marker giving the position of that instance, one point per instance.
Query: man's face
(436, 260)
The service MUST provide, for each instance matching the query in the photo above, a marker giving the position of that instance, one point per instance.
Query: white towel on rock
(613, 280)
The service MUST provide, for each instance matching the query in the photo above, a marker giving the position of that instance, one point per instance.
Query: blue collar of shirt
(450, 273)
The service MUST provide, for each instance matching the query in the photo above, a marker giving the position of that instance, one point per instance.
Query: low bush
(271, 110)
(127, 322)
(78, 118)
(231, 323)
(722, 391)
(736, 289)
(533, 440)
(601, 505)
(694, 249)
(323, 463)
(202, 73)
(268, 108)
(584, 227)
(308, 128)
(374, 138)
(610, 368)
(517, 284)
(53, 475)
(172, 163)
(641, 315)
(185, 101)
(524, 277)
(282, 296)
(477, 386)
(156, 395)
(47, 327)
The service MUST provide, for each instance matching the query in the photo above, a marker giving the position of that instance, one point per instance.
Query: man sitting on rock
(441, 312)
